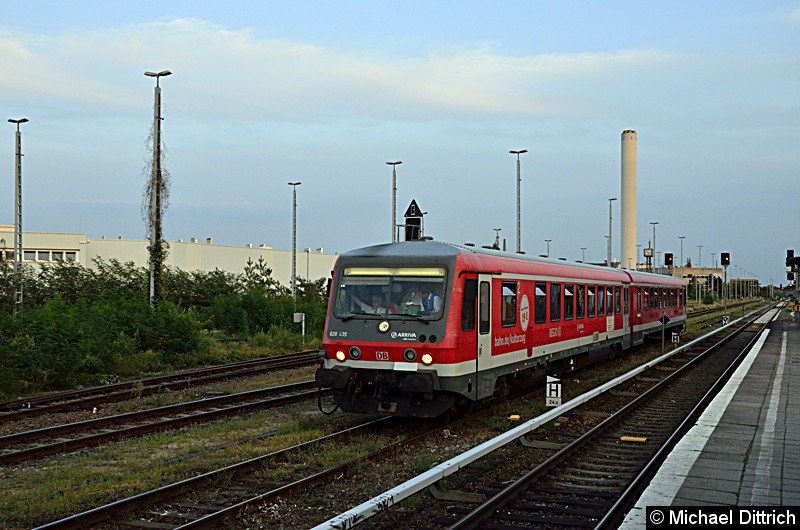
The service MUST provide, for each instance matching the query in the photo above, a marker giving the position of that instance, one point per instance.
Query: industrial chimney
(628, 255)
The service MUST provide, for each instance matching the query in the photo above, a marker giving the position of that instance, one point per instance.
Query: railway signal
(725, 259)
(668, 259)
(413, 224)
(791, 264)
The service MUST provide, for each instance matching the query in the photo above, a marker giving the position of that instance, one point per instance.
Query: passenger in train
(431, 302)
(412, 296)
(379, 305)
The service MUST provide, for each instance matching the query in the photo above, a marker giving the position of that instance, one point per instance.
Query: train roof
(427, 250)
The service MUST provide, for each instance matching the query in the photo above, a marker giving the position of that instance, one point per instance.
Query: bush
(83, 327)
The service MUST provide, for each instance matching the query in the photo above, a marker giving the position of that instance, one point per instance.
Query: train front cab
(393, 362)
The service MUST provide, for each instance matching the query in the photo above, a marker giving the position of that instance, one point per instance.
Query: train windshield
(388, 291)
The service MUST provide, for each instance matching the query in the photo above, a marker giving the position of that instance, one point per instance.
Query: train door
(626, 307)
(484, 353)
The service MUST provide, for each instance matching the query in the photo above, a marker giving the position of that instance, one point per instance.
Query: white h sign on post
(552, 393)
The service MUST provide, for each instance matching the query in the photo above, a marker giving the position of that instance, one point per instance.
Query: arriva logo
(403, 335)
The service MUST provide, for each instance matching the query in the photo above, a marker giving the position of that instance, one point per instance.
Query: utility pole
(18, 218)
(157, 191)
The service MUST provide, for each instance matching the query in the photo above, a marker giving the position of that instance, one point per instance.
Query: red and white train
(501, 318)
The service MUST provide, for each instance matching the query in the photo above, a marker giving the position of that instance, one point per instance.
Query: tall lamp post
(583, 254)
(519, 180)
(394, 198)
(654, 223)
(156, 256)
(548, 246)
(18, 218)
(294, 238)
(612, 199)
(682, 238)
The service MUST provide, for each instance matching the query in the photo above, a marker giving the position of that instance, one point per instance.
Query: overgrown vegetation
(84, 326)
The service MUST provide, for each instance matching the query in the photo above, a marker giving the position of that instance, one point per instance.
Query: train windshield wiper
(418, 317)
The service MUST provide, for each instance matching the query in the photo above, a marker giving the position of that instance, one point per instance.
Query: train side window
(555, 302)
(638, 299)
(646, 299)
(581, 306)
(468, 305)
(569, 301)
(601, 300)
(509, 304)
(590, 303)
(484, 302)
(626, 292)
(617, 305)
(540, 306)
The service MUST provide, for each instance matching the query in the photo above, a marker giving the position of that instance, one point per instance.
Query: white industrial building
(192, 255)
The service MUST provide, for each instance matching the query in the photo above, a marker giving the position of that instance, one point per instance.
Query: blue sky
(264, 93)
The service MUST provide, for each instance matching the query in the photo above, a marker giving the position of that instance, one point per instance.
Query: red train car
(417, 328)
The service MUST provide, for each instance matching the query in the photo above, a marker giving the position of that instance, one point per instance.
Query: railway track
(211, 499)
(588, 477)
(196, 505)
(67, 437)
(86, 398)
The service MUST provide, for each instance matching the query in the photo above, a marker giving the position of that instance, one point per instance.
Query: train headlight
(355, 352)
(427, 359)
(383, 327)
(340, 356)
(410, 355)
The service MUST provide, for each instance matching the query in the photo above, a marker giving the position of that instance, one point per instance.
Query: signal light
(725, 258)
(668, 259)
(789, 256)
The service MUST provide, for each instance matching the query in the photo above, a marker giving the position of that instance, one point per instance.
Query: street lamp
(654, 223)
(294, 238)
(18, 218)
(638, 250)
(699, 256)
(519, 180)
(394, 197)
(583, 254)
(548, 246)
(681, 238)
(612, 199)
(156, 257)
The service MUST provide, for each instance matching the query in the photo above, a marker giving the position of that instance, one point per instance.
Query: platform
(745, 448)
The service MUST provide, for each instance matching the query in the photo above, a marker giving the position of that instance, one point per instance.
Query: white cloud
(221, 72)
